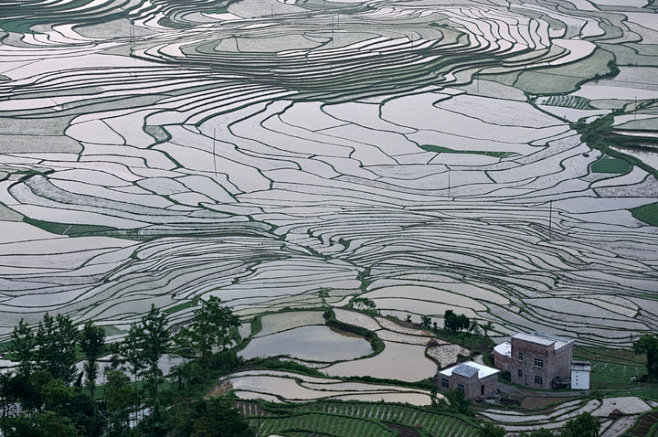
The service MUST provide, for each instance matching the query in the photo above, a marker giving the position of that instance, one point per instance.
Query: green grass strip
(647, 213)
(607, 164)
(440, 149)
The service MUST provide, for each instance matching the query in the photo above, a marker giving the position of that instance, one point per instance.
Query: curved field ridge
(629, 407)
(291, 155)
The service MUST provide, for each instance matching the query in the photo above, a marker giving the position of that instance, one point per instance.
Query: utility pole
(214, 154)
(333, 38)
(477, 82)
(132, 36)
(550, 218)
(449, 182)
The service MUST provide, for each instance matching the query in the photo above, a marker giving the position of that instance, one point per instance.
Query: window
(539, 380)
(520, 373)
(445, 383)
(539, 362)
(520, 356)
(460, 387)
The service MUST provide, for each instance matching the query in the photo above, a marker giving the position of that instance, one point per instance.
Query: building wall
(580, 379)
(472, 385)
(554, 364)
(490, 384)
(563, 359)
(501, 362)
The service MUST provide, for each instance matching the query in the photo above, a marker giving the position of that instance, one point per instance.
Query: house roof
(504, 348)
(465, 370)
(581, 365)
(544, 339)
(468, 369)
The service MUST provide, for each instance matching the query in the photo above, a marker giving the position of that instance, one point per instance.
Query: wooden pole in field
(550, 218)
(214, 154)
(449, 182)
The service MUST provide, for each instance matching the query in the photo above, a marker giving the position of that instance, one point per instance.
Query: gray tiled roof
(465, 370)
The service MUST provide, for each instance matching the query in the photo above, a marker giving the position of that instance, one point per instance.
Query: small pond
(311, 343)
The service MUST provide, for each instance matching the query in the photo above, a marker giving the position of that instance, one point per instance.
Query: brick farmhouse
(539, 360)
(473, 379)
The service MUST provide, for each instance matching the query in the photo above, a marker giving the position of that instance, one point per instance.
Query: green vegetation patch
(599, 135)
(375, 342)
(611, 368)
(358, 419)
(575, 102)
(69, 229)
(566, 78)
(440, 149)
(179, 307)
(647, 213)
(168, 22)
(325, 424)
(220, 10)
(608, 164)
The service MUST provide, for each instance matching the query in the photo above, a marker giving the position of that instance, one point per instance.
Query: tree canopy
(40, 399)
(583, 425)
(455, 323)
(213, 326)
(648, 344)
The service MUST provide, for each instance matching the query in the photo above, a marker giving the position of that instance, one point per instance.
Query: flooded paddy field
(291, 155)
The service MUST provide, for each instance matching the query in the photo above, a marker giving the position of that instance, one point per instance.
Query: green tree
(323, 294)
(454, 323)
(57, 396)
(539, 433)
(457, 402)
(487, 327)
(55, 341)
(475, 327)
(40, 424)
(363, 303)
(86, 415)
(583, 425)
(212, 418)
(22, 347)
(22, 390)
(490, 430)
(426, 322)
(92, 343)
(131, 351)
(144, 345)
(120, 399)
(464, 322)
(648, 344)
(213, 326)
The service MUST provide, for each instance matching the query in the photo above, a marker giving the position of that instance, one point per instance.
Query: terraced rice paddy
(628, 407)
(314, 343)
(294, 154)
(276, 386)
(361, 419)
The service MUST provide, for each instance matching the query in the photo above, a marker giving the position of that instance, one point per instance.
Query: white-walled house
(580, 371)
